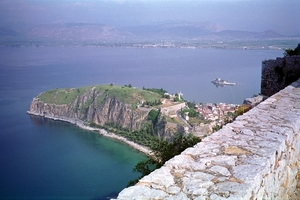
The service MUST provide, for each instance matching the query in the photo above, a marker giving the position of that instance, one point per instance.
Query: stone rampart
(255, 157)
(279, 73)
(173, 108)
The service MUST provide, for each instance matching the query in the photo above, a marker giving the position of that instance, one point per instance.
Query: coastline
(102, 132)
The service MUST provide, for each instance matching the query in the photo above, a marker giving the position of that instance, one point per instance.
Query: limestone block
(272, 135)
(224, 160)
(227, 189)
(180, 196)
(260, 193)
(247, 172)
(200, 191)
(195, 186)
(248, 132)
(202, 149)
(193, 181)
(199, 175)
(201, 164)
(141, 193)
(255, 160)
(160, 176)
(239, 123)
(173, 190)
(220, 170)
(217, 197)
(202, 197)
(234, 150)
(240, 140)
(183, 162)
(253, 101)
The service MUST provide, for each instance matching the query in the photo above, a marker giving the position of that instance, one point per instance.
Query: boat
(221, 82)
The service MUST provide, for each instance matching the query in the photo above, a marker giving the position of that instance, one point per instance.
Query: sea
(46, 159)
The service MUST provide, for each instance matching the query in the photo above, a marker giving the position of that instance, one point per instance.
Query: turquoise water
(46, 159)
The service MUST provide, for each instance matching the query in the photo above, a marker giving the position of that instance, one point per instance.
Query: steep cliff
(99, 104)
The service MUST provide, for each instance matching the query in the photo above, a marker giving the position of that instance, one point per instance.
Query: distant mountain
(170, 30)
(200, 31)
(296, 36)
(175, 30)
(77, 31)
(8, 32)
(246, 35)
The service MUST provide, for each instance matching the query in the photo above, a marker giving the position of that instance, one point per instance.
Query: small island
(221, 82)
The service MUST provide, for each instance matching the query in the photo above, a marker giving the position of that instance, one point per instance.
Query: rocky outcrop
(92, 106)
(279, 73)
(255, 100)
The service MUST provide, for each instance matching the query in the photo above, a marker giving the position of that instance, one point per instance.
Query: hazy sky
(251, 15)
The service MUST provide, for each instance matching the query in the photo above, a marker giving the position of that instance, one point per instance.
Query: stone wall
(174, 108)
(255, 157)
(279, 73)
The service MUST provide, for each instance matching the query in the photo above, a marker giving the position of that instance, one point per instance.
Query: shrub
(292, 52)
(164, 150)
(242, 109)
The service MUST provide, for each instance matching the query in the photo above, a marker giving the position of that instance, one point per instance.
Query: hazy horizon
(278, 15)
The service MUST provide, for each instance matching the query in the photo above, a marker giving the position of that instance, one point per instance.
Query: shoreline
(102, 132)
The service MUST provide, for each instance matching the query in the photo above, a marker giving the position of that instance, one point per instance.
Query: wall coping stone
(255, 157)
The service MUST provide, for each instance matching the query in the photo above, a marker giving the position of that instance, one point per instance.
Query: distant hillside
(7, 31)
(175, 30)
(77, 31)
(246, 35)
(68, 33)
(200, 31)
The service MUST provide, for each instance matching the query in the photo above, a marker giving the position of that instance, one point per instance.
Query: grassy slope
(127, 95)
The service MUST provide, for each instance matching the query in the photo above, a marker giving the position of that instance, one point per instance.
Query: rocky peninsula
(97, 105)
(134, 116)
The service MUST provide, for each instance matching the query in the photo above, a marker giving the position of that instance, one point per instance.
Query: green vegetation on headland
(145, 136)
(126, 94)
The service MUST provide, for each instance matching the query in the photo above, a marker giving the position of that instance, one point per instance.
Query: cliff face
(92, 105)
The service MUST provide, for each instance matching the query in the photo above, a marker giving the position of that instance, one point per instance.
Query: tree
(163, 151)
(292, 52)
(192, 112)
(176, 99)
(160, 91)
(144, 168)
(191, 105)
(153, 115)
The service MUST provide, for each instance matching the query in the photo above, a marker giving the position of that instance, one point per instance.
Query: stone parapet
(255, 157)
